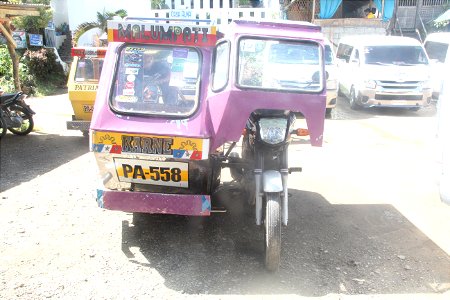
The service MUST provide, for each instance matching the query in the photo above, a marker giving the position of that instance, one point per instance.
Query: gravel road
(377, 232)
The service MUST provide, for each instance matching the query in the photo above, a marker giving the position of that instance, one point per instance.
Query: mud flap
(272, 182)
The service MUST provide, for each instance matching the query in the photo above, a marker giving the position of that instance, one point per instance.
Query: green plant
(5, 62)
(101, 23)
(43, 66)
(159, 4)
(32, 24)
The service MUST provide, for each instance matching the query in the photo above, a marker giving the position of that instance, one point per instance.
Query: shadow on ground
(351, 249)
(19, 154)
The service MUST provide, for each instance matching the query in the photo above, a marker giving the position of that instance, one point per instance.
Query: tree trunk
(14, 59)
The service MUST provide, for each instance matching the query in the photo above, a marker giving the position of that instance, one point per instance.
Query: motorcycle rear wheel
(272, 226)
(3, 128)
(27, 122)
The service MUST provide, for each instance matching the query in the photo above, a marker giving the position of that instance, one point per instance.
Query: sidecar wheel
(272, 227)
(27, 122)
(3, 127)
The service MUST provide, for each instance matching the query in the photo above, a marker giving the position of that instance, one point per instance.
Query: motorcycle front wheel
(27, 121)
(3, 127)
(272, 226)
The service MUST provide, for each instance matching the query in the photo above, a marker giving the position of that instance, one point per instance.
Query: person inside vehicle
(157, 77)
(370, 12)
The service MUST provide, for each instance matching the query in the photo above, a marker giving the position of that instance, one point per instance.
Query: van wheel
(353, 100)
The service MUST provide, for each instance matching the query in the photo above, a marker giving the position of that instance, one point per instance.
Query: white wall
(60, 12)
(80, 11)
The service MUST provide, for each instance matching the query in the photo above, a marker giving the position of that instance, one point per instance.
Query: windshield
(395, 55)
(88, 70)
(280, 65)
(157, 80)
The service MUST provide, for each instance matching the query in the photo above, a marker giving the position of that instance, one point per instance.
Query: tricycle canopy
(216, 80)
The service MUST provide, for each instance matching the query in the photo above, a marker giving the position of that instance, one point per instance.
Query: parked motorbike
(16, 115)
(3, 128)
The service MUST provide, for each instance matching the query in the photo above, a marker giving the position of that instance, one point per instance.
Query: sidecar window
(280, 65)
(221, 65)
(156, 80)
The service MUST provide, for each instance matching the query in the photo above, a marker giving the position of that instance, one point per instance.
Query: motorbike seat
(6, 99)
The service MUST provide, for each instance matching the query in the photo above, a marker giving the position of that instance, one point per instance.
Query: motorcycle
(16, 114)
(243, 86)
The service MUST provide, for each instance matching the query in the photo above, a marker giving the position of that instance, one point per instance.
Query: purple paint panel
(187, 205)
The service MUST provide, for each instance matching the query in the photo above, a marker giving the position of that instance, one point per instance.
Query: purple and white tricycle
(172, 94)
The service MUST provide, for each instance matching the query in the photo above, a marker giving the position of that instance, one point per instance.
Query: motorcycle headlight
(371, 84)
(273, 130)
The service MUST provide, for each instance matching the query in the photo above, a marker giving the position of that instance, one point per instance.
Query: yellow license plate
(152, 172)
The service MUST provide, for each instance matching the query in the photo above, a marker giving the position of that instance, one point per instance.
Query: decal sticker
(128, 92)
(131, 71)
(88, 108)
(86, 87)
(158, 33)
(129, 85)
(125, 98)
(179, 123)
(156, 146)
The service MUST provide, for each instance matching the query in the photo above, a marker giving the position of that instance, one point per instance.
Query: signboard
(20, 38)
(161, 33)
(36, 39)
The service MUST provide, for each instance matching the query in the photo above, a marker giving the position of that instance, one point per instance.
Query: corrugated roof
(13, 9)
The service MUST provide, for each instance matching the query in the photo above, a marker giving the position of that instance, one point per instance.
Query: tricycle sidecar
(83, 84)
(171, 95)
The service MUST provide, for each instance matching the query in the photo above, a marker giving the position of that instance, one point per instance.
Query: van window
(280, 65)
(344, 51)
(395, 55)
(436, 50)
(158, 80)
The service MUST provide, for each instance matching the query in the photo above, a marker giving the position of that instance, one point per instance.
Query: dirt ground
(380, 233)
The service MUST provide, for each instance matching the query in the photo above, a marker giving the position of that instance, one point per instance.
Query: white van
(332, 73)
(438, 50)
(383, 71)
(443, 132)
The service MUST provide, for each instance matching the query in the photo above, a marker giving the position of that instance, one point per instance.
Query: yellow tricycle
(83, 84)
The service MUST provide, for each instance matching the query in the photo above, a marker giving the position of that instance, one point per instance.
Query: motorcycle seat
(6, 99)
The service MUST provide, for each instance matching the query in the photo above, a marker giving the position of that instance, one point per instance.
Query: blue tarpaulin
(388, 10)
(328, 8)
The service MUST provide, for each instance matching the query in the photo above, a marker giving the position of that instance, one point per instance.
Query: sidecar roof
(275, 28)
